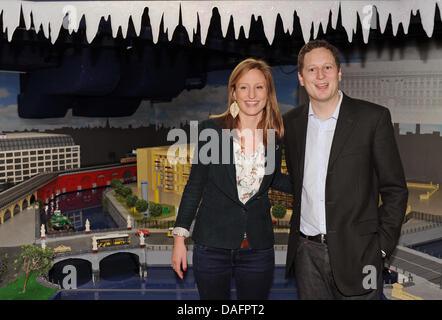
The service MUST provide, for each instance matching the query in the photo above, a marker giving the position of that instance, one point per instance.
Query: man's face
(320, 76)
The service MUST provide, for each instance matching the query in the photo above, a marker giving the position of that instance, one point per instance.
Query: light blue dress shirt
(317, 152)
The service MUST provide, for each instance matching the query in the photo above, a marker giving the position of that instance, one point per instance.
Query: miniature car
(169, 233)
(144, 231)
(62, 248)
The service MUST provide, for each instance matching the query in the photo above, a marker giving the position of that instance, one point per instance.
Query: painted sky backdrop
(189, 105)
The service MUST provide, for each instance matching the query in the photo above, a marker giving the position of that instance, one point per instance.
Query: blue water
(96, 217)
(433, 248)
(162, 284)
(79, 207)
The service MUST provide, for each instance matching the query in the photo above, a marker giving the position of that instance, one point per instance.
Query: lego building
(278, 197)
(167, 176)
(25, 154)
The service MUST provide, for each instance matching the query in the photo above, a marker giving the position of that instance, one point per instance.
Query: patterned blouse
(249, 170)
(249, 174)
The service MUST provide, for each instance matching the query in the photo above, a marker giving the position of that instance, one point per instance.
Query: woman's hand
(179, 256)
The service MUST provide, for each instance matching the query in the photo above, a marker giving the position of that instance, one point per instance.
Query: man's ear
(301, 79)
(340, 74)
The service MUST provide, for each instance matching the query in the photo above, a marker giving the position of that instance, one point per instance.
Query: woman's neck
(250, 136)
(249, 122)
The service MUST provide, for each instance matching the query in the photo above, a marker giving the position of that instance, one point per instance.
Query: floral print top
(249, 170)
(249, 174)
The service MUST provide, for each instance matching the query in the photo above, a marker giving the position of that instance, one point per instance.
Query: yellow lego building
(165, 170)
(167, 173)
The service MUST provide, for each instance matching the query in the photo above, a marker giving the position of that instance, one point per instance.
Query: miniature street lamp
(88, 226)
(142, 244)
(94, 244)
(42, 232)
(129, 223)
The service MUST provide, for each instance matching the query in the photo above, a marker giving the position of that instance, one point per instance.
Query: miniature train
(129, 158)
(112, 240)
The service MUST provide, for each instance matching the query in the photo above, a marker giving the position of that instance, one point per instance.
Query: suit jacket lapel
(344, 126)
(300, 125)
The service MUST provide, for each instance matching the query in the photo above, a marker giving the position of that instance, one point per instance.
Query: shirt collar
(335, 114)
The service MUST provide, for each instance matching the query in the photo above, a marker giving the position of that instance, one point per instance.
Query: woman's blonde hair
(271, 118)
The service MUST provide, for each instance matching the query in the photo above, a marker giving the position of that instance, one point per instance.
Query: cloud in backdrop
(190, 105)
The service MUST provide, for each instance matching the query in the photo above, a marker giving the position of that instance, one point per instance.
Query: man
(350, 193)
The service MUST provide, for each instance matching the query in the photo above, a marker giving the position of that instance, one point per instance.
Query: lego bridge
(47, 186)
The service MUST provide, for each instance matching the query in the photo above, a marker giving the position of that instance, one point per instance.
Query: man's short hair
(314, 44)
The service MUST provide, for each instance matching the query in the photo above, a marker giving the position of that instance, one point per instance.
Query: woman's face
(251, 93)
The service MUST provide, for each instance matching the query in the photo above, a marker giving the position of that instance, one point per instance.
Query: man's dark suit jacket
(364, 163)
(222, 219)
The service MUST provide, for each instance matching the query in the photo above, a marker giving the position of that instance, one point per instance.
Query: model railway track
(18, 191)
(94, 168)
(28, 186)
(422, 265)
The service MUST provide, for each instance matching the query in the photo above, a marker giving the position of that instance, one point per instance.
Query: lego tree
(155, 209)
(141, 205)
(124, 191)
(131, 200)
(34, 259)
(279, 211)
(116, 183)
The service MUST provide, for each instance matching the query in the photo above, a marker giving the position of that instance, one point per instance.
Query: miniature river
(79, 207)
(160, 284)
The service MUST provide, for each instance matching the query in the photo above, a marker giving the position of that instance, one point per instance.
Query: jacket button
(245, 209)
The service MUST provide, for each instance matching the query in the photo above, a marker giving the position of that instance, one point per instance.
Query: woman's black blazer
(221, 218)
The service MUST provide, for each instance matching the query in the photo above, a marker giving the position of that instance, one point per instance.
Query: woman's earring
(234, 109)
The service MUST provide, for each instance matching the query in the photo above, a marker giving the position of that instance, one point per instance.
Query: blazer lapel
(344, 126)
(231, 169)
(231, 173)
(300, 125)
(226, 177)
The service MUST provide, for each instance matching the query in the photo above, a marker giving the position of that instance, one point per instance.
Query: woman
(233, 233)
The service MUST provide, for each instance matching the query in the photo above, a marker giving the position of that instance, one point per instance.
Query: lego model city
(90, 92)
